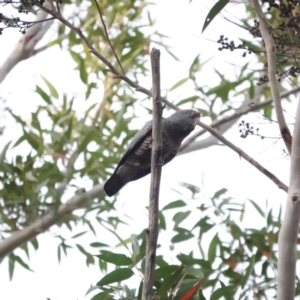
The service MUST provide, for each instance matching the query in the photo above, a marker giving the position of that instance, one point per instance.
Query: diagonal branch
(243, 154)
(271, 56)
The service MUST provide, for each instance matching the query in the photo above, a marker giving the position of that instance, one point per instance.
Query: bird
(136, 160)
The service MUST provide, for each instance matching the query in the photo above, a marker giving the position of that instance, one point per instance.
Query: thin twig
(271, 56)
(156, 166)
(57, 6)
(107, 36)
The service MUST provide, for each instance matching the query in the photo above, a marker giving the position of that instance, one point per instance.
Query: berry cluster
(231, 45)
(246, 130)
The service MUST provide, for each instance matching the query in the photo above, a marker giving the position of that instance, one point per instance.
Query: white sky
(218, 166)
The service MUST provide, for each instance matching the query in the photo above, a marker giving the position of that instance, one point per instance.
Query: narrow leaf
(115, 258)
(248, 271)
(116, 276)
(259, 210)
(174, 204)
(212, 250)
(43, 94)
(179, 83)
(213, 12)
(51, 88)
(3, 153)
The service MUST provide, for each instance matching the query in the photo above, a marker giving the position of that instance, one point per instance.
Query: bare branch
(243, 154)
(271, 56)
(107, 36)
(288, 234)
(156, 166)
(25, 47)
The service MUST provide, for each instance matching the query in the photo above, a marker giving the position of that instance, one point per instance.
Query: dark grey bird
(136, 161)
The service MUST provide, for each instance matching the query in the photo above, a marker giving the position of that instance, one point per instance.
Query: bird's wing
(137, 141)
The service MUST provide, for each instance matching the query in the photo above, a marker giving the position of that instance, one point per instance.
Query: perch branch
(156, 165)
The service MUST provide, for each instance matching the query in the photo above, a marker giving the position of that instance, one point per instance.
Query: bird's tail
(113, 185)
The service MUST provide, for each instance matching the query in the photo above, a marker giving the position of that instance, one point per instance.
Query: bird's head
(185, 120)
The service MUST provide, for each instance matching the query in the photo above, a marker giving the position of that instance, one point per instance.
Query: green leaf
(98, 244)
(116, 276)
(189, 99)
(201, 296)
(11, 265)
(3, 153)
(195, 67)
(169, 281)
(162, 221)
(115, 258)
(183, 235)
(91, 86)
(248, 271)
(43, 94)
(256, 206)
(91, 289)
(34, 242)
(268, 109)
(82, 72)
(165, 271)
(191, 187)
(213, 12)
(22, 263)
(103, 296)
(212, 250)
(174, 204)
(51, 88)
(117, 236)
(135, 245)
(78, 234)
(32, 139)
(179, 83)
(225, 292)
(180, 216)
(219, 193)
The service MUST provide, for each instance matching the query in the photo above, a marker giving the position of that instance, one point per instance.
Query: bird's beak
(196, 115)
